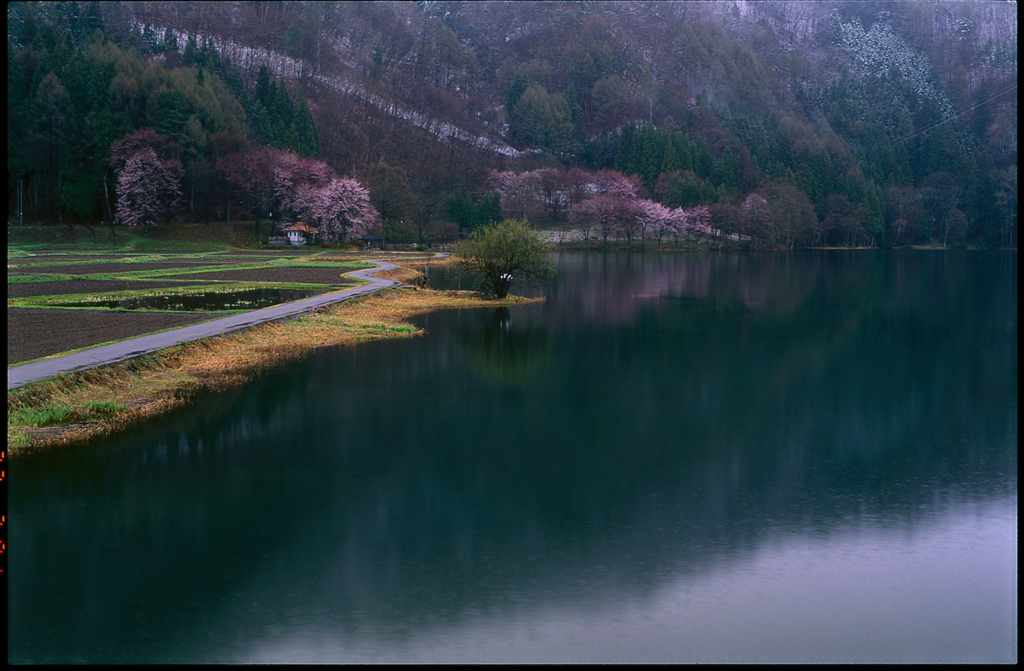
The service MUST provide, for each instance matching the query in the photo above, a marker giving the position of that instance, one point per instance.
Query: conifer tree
(263, 85)
(308, 140)
(191, 50)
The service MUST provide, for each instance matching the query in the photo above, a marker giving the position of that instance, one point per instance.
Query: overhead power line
(949, 118)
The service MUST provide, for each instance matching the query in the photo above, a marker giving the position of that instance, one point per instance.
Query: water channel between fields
(674, 458)
(205, 301)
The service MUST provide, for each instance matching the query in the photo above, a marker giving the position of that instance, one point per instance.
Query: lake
(700, 458)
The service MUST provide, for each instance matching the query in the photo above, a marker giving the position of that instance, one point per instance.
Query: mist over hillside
(880, 122)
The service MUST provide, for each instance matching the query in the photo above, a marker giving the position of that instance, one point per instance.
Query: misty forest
(776, 124)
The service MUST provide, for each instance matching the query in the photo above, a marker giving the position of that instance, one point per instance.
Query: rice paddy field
(61, 300)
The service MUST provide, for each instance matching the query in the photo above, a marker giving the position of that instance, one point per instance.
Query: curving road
(133, 347)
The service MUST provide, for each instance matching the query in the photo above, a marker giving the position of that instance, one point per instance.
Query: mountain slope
(871, 102)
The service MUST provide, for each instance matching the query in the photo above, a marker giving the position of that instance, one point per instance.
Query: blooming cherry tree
(147, 186)
(756, 219)
(302, 188)
(291, 171)
(698, 221)
(519, 192)
(615, 184)
(653, 217)
(627, 218)
(553, 189)
(613, 208)
(129, 145)
(607, 213)
(339, 209)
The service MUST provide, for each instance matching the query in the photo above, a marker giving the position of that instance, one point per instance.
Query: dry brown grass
(133, 391)
(403, 274)
(408, 271)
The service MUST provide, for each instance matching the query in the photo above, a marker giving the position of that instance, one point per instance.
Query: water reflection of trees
(395, 484)
(502, 350)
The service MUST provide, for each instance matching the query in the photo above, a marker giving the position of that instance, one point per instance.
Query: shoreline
(72, 409)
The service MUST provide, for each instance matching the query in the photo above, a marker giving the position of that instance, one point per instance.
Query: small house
(371, 242)
(300, 233)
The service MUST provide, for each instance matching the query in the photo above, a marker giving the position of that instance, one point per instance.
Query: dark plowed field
(35, 332)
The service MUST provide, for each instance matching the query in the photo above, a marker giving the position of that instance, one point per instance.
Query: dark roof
(370, 236)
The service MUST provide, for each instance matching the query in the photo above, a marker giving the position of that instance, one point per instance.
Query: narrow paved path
(133, 347)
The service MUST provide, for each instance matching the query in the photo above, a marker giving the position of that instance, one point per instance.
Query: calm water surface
(806, 457)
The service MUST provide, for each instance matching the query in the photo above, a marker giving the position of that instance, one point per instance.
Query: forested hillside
(785, 123)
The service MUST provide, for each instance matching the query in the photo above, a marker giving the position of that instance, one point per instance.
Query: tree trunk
(106, 199)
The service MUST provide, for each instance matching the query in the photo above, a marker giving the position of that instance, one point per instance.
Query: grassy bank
(181, 237)
(74, 408)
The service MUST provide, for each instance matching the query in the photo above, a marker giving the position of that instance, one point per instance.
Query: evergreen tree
(515, 92)
(191, 51)
(170, 41)
(649, 163)
(93, 19)
(293, 40)
(575, 113)
(308, 140)
(171, 114)
(669, 159)
(283, 112)
(149, 45)
(260, 129)
(210, 57)
(624, 149)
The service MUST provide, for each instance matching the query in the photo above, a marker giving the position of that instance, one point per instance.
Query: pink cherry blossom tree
(145, 138)
(291, 171)
(605, 213)
(615, 184)
(584, 216)
(271, 179)
(612, 207)
(554, 187)
(519, 192)
(339, 209)
(653, 217)
(756, 220)
(698, 221)
(578, 185)
(147, 184)
(627, 218)
(677, 225)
